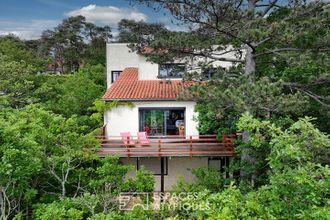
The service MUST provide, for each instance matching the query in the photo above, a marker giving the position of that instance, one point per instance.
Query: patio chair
(143, 139)
(127, 139)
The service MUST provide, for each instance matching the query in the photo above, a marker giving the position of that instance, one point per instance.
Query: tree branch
(304, 90)
(233, 60)
(289, 49)
(269, 7)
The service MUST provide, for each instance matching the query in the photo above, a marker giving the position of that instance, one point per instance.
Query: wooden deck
(169, 146)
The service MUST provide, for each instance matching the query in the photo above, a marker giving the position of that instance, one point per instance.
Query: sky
(28, 18)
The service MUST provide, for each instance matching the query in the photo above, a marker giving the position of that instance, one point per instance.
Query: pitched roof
(128, 87)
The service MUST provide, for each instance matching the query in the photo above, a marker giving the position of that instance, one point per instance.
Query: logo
(130, 200)
(156, 201)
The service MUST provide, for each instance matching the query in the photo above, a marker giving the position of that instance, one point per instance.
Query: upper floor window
(115, 75)
(171, 70)
(208, 73)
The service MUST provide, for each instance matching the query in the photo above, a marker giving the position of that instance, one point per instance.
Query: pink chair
(142, 137)
(126, 138)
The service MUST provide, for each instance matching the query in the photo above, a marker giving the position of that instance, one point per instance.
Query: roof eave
(150, 99)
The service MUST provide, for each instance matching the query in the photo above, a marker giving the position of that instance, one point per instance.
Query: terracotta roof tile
(128, 87)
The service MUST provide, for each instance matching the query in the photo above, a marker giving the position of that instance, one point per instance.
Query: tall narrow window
(115, 75)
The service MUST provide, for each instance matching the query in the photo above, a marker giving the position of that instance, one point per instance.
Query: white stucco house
(174, 145)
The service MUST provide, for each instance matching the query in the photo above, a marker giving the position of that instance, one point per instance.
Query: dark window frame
(112, 73)
(138, 166)
(171, 77)
(208, 73)
(162, 108)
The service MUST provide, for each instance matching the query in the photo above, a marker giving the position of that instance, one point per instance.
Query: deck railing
(167, 146)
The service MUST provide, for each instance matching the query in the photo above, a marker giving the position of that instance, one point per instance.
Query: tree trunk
(5, 205)
(246, 158)
(250, 68)
(63, 190)
(250, 63)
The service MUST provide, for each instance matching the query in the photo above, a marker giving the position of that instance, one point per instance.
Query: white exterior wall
(177, 167)
(124, 118)
(119, 57)
(147, 70)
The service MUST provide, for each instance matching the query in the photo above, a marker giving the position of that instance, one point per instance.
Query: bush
(57, 210)
(143, 182)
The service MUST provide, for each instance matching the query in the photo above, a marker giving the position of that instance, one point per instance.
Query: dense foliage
(49, 159)
(49, 169)
(280, 52)
(298, 179)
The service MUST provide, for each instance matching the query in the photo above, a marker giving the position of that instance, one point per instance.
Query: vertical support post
(162, 173)
(190, 145)
(227, 161)
(103, 130)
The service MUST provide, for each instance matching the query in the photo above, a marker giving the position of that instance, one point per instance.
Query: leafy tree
(296, 146)
(97, 73)
(298, 178)
(18, 69)
(57, 210)
(249, 24)
(16, 50)
(71, 94)
(268, 42)
(227, 97)
(41, 153)
(131, 31)
(96, 49)
(108, 182)
(16, 83)
(66, 43)
(20, 162)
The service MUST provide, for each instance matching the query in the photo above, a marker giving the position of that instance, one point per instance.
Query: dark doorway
(159, 122)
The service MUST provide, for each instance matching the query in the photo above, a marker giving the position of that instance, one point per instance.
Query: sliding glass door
(159, 122)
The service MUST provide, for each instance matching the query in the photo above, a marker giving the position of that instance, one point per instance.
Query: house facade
(148, 96)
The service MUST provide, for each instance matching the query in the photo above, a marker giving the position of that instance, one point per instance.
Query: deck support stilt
(162, 171)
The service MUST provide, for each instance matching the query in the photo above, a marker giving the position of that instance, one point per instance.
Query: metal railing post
(159, 148)
(128, 148)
